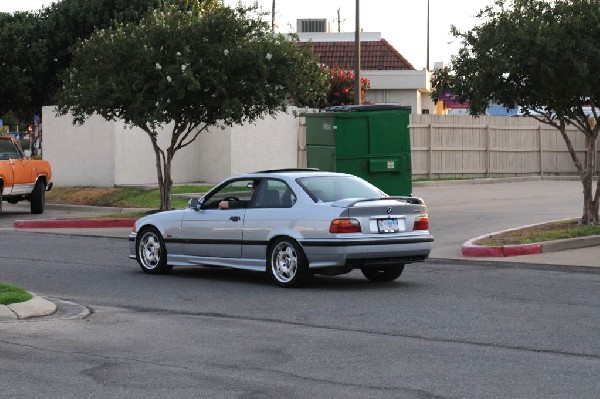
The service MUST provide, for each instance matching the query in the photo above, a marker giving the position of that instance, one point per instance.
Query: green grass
(541, 233)
(122, 197)
(136, 198)
(12, 294)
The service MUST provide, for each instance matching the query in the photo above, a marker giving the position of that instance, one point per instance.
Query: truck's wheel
(38, 198)
(0, 199)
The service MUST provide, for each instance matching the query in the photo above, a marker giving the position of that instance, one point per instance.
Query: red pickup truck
(22, 178)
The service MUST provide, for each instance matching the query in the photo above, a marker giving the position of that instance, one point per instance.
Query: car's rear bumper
(359, 252)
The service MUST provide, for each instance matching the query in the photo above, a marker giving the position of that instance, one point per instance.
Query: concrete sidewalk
(35, 307)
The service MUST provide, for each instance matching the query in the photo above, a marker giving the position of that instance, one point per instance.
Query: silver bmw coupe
(291, 223)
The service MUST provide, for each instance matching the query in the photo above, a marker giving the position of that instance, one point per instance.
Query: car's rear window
(334, 188)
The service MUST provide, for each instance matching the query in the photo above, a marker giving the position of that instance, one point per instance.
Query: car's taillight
(344, 226)
(421, 223)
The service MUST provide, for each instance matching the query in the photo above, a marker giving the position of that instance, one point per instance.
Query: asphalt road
(440, 331)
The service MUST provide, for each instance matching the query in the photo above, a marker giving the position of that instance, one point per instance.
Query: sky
(403, 23)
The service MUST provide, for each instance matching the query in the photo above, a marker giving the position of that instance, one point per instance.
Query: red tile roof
(378, 55)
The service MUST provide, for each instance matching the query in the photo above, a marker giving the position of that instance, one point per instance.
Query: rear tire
(0, 200)
(38, 198)
(382, 274)
(151, 252)
(287, 263)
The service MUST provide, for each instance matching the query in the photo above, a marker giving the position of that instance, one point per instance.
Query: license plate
(388, 225)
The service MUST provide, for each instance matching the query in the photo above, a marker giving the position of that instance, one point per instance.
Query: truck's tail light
(421, 223)
(345, 226)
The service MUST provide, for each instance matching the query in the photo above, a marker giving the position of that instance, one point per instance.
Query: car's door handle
(235, 218)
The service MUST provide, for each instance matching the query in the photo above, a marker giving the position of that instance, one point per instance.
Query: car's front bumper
(132, 238)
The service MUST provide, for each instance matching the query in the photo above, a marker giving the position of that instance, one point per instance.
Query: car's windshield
(334, 188)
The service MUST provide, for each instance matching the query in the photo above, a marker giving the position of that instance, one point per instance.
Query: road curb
(73, 223)
(471, 249)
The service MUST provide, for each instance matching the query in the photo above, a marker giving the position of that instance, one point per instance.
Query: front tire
(382, 274)
(38, 198)
(151, 252)
(288, 266)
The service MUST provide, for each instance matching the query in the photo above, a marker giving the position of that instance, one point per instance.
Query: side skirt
(245, 264)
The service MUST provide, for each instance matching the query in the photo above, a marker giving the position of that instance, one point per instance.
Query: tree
(188, 70)
(36, 47)
(543, 57)
(342, 87)
(20, 53)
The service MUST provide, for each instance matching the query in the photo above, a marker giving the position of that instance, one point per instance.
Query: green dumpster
(370, 141)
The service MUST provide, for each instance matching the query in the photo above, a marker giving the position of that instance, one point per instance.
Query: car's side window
(320, 190)
(274, 194)
(236, 194)
(8, 150)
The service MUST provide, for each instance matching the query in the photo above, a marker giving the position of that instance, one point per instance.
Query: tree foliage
(36, 47)
(542, 57)
(194, 69)
(341, 91)
(21, 52)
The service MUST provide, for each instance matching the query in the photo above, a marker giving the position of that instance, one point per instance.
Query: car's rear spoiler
(409, 200)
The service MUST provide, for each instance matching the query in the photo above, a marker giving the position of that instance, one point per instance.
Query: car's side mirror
(195, 203)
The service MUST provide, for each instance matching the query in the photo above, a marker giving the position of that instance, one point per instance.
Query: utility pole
(339, 21)
(357, 56)
(427, 63)
(273, 17)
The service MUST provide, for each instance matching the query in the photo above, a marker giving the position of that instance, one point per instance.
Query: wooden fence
(464, 146)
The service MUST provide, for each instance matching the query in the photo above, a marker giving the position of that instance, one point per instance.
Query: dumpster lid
(367, 107)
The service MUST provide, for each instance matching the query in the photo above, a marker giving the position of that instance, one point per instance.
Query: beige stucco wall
(135, 162)
(214, 155)
(271, 143)
(101, 153)
(79, 156)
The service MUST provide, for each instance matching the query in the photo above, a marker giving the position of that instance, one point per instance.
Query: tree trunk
(590, 204)
(590, 201)
(163, 173)
(168, 182)
(586, 175)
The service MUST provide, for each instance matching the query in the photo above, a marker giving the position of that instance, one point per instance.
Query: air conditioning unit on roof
(311, 25)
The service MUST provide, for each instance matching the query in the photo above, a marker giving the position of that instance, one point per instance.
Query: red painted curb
(470, 249)
(73, 223)
(525, 249)
(481, 251)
